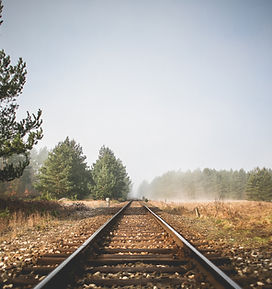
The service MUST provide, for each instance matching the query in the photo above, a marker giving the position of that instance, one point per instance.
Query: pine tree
(259, 186)
(16, 137)
(24, 185)
(65, 172)
(110, 179)
(238, 184)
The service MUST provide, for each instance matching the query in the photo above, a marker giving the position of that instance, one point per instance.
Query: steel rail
(217, 273)
(57, 275)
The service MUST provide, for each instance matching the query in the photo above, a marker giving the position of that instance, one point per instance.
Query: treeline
(24, 186)
(210, 184)
(64, 173)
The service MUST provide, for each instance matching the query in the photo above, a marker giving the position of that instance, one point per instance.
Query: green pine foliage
(259, 186)
(65, 172)
(16, 137)
(23, 187)
(110, 179)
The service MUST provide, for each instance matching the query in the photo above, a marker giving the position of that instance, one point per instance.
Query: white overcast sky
(167, 85)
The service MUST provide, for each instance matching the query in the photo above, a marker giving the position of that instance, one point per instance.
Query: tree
(206, 184)
(238, 184)
(37, 159)
(24, 186)
(16, 137)
(65, 172)
(259, 186)
(110, 179)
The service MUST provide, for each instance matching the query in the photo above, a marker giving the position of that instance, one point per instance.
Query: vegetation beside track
(245, 223)
(21, 246)
(20, 215)
(240, 231)
(210, 184)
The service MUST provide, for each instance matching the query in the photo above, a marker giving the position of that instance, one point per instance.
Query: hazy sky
(167, 85)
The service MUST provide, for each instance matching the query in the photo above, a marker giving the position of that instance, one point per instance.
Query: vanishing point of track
(134, 249)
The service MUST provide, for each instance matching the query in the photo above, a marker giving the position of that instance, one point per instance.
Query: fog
(204, 184)
(167, 85)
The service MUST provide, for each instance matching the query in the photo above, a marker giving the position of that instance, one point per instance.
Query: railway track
(134, 249)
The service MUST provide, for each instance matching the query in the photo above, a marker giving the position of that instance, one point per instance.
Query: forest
(210, 184)
(64, 173)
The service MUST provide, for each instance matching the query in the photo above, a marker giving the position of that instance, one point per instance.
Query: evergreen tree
(209, 183)
(16, 137)
(110, 179)
(37, 159)
(212, 184)
(65, 172)
(259, 186)
(24, 186)
(238, 184)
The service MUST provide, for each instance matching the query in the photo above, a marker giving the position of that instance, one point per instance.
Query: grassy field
(20, 215)
(245, 222)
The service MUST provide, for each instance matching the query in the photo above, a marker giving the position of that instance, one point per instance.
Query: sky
(166, 84)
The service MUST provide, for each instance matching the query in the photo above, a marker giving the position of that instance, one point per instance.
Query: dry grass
(18, 221)
(19, 215)
(249, 219)
(235, 210)
(89, 203)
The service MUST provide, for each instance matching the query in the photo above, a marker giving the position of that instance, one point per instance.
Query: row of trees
(65, 173)
(210, 184)
(259, 185)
